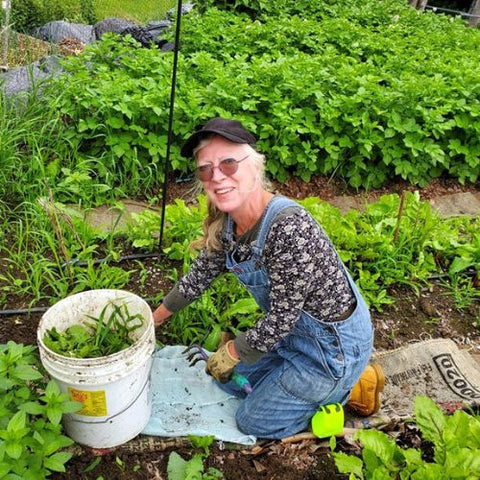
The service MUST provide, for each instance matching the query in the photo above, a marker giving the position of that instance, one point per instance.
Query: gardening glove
(220, 364)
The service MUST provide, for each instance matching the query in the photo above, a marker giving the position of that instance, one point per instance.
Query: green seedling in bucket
(328, 420)
(98, 338)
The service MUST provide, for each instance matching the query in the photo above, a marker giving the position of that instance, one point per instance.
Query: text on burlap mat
(435, 368)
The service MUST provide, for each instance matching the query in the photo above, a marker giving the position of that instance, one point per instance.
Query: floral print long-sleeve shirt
(303, 267)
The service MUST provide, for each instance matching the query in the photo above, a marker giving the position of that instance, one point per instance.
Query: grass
(134, 10)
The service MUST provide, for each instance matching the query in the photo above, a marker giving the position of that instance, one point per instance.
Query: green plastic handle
(242, 382)
(328, 420)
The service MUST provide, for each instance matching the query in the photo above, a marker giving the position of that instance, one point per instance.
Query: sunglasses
(228, 167)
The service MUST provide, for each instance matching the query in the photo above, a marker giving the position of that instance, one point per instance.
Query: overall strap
(228, 229)
(276, 205)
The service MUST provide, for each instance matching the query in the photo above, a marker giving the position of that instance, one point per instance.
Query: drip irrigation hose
(98, 261)
(26, 311)
(23, 311)
(463, 14)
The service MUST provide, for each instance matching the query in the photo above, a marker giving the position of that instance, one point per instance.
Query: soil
(430, 314)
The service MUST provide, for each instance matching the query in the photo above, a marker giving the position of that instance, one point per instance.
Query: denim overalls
(315, 364)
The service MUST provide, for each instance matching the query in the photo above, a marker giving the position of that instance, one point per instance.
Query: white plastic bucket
(114, 389)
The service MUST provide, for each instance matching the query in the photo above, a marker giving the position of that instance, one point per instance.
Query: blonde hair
(214, 222)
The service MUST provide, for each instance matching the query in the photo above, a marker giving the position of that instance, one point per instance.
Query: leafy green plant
(462, 290)
(93, 465)
(377, 252)
(104, 336)
(202, 442)
(126, 136)
(143, 230)
(184, 226)
(467, 255)
(193, 469)
(94, 276)
(225, 306)
(31, 441)
(455, 438)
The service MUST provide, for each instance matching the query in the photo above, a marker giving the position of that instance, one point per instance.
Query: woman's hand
(220, 365)
(160, 315)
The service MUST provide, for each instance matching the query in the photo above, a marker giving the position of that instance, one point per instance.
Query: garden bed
(431, 314)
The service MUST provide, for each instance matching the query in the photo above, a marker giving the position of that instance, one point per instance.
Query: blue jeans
(316, 364)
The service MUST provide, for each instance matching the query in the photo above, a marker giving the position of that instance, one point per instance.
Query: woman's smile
(231, 193)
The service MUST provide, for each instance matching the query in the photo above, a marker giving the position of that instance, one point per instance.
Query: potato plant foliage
(366, 90)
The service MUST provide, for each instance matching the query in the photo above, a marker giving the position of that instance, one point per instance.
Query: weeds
(462, 290)
(102, 336)
(180, 469)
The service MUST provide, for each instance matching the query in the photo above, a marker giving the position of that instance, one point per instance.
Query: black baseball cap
(232, 130)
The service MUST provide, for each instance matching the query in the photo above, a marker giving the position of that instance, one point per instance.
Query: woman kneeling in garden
(315, 339)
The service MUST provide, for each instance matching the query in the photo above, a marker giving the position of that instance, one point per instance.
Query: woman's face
(228, 192)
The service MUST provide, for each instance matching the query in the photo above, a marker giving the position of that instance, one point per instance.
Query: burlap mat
(435, 368)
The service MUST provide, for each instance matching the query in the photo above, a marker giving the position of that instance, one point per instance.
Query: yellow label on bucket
(94, 402)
